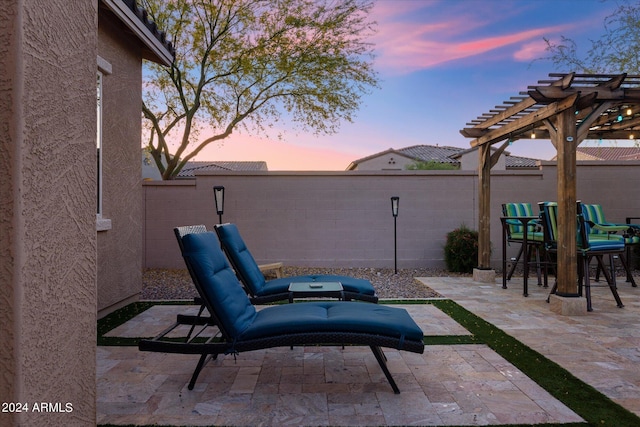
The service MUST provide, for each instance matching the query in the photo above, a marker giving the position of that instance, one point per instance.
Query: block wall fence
(343, 219)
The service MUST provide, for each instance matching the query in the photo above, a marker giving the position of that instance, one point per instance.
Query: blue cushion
(518, 209)
(336, 316)
(252, 277)
(595, 214)
(533, 236)
(596, 245)
(218, 281)
(242, 259)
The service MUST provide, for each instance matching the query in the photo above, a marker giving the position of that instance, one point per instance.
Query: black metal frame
(223, 343)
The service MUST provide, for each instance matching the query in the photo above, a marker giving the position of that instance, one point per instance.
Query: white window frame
(104, 68)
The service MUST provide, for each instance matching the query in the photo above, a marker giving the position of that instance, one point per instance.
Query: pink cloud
(530, 51)
(404, 44)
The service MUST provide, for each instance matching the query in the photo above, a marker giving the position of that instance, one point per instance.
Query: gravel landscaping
(161, 284)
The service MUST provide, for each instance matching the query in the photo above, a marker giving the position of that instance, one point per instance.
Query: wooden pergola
(566, 109)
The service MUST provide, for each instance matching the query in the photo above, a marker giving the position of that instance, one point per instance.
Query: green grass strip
(593, 406)
(123, 315)
(450, 339)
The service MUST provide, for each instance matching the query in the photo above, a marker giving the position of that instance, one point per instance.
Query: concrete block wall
(337, 219)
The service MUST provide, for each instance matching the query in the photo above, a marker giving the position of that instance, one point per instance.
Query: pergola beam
(520, 125)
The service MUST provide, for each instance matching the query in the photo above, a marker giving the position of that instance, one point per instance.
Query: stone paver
(447, 385)
(602, 347)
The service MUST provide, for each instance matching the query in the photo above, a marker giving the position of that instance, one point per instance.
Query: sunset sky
(442, 63)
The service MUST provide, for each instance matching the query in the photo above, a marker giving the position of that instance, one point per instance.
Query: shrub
(461, 250)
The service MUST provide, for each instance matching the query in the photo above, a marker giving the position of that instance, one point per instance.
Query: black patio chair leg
(553, 290)
(623, 260)
(515, 263)
(610, 277)
(598, 268)
(196, 372)
(627, 256)
(381, 358)
(538, 268)
(584, 277)
(612, 283)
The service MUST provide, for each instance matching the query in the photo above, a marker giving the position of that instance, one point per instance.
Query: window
(99, 146)
(104, 69)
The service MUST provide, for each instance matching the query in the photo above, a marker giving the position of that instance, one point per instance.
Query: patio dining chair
(237, 326)
(515, 235)
(600, 228)
(587, 249)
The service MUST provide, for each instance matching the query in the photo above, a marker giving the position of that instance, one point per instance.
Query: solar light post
(395, 202)
(218, 197)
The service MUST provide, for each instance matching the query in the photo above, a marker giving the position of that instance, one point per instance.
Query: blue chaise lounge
(243, 328)
(263, 291)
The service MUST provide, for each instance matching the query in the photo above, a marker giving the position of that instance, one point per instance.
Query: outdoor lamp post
(395, 202)
(218, 197)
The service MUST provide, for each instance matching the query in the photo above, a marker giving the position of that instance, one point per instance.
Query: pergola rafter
(566, 109)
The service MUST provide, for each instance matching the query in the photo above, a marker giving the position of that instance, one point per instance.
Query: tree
(616, 51)
(251, 63)
(421, 165)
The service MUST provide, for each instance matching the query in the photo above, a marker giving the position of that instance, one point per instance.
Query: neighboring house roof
(608, 153)
(443, 154)
(158, 48)
(190, 169)
(373, 156)
(427, 153)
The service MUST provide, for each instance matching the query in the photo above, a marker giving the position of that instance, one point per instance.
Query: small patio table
(524, 220)
(312, 289)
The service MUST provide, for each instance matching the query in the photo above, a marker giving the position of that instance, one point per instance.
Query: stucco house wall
(469, 161)
(120, 242)
(49, 243)
(47, 209)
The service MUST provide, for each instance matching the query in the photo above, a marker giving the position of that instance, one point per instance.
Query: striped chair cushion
(515, 228)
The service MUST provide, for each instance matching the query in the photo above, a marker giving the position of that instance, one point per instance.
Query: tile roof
(428, 153)
(191, 168)
(609, 153)
(447, 154)
(143, 16)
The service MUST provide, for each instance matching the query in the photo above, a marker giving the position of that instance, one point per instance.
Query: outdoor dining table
(524, 220)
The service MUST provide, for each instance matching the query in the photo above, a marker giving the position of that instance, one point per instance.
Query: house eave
(128, 17)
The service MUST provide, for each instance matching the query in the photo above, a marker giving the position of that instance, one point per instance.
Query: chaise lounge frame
(223, 340)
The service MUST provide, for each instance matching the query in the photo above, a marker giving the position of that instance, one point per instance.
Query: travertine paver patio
(602, 348)
(447, 385)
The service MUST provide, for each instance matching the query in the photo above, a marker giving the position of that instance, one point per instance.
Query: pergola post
(566, 144)
(484, 207)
